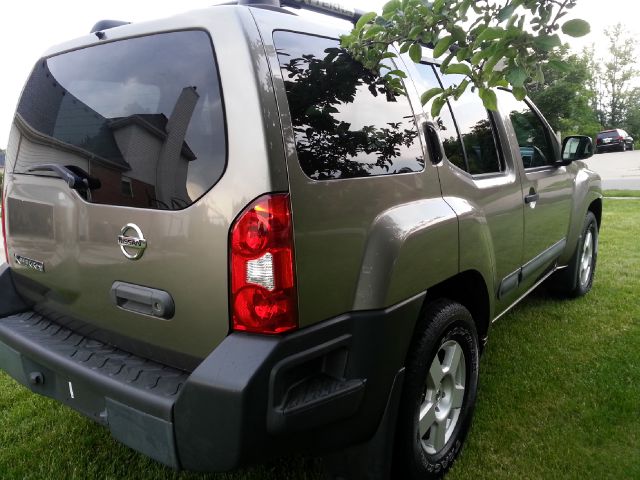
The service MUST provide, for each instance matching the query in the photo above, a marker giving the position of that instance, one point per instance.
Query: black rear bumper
(254, 397)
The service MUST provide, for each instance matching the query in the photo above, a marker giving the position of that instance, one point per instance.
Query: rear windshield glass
(611, 134)
(141, 118)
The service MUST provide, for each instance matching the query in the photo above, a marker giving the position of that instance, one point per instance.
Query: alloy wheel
(586, 261)
(443, 397)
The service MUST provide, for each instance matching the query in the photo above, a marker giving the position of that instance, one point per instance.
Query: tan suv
(227, 240)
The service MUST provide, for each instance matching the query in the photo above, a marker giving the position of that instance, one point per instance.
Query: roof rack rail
(333, 8)
(107, 24)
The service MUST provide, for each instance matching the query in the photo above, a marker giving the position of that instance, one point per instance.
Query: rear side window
(142, 116)
(346, 122)
(448, 130)
(476, 130)
(465, 126)
(533, 136)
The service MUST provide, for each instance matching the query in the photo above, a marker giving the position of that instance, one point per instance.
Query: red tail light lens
(263, 289)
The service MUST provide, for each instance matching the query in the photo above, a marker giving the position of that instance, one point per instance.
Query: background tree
(565, 97)
(594, 83)
(632, 120)
(491, 43)
(619, 69)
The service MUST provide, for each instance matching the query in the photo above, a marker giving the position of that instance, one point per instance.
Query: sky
(30, 27)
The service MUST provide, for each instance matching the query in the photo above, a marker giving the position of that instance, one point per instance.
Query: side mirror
(576, 147)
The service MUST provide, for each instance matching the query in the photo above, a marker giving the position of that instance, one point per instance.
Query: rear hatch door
(115, 146)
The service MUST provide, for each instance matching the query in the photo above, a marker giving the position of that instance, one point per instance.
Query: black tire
(624, 147)
(571, 282)
(444, 324)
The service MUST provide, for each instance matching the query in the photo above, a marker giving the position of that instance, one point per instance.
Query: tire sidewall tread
(441, 321)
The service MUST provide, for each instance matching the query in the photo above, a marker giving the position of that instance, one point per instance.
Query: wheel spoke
(427, 418)
(457, 396)
(437, 436)
(454, 359)
(435, 372)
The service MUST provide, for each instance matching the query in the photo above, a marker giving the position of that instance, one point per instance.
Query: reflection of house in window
(127, 189)
(141, 160)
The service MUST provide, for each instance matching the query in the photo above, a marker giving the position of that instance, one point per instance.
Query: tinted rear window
(143, 116)
(611, 134)
(346, 122)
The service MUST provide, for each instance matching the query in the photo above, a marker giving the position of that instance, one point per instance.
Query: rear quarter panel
(360, 243)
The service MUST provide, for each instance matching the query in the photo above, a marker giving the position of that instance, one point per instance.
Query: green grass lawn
(559, 394)
(622, 193)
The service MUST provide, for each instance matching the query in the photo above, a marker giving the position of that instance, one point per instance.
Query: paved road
(619, 170)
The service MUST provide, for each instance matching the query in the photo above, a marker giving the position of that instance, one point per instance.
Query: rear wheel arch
(470, 290)
(596, 208)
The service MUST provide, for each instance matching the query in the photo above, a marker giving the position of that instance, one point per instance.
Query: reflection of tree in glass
(532, 139)
(453, 151)
(481, 148)
(327, 146)
(525, 123)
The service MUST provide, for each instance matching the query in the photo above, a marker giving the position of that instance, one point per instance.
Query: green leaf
(559, 65)
(373, 30)
(489, 98)
(459, 68)
(437, 105)
(478, 57)
(539, 76)
(445, 63)
(390, 6)
(458, 33)
(547, 42)
(506, 12)
(576, 28)
(415, 31)
(415, 52)
(461, 89)
(517, 76)
(442, 46)
(429, 94)
(462, 54)
(364, 19)
(491, 33)
(405, 47)
(398, 73)
(520, 93)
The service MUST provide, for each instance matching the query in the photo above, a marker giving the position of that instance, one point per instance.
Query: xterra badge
(29, 262)
(131, 241)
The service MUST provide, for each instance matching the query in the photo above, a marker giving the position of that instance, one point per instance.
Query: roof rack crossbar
(333, 8)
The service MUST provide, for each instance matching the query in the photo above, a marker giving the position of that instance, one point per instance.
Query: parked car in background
(616, 139)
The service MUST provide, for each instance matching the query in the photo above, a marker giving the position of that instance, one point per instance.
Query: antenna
(106, 25)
